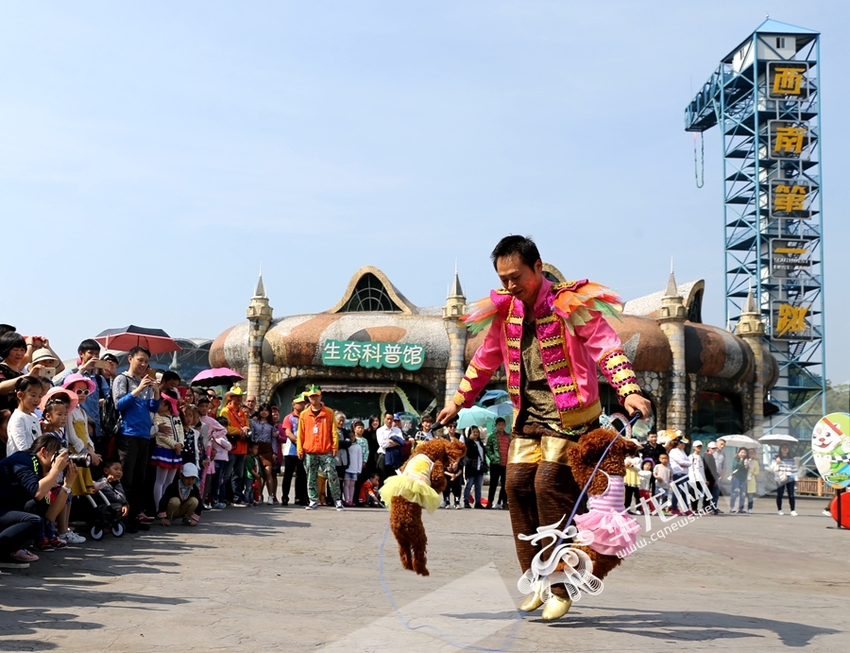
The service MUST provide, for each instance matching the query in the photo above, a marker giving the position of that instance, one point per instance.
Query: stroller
(98, 514)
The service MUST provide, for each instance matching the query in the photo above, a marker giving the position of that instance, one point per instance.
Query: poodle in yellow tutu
(418, 485)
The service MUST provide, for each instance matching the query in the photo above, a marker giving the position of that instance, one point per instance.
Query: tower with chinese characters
(765, 97)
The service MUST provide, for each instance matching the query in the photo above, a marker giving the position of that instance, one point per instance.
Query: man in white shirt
(679, 464)
(387, 431)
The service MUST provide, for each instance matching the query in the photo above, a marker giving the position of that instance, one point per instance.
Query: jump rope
(517, 618)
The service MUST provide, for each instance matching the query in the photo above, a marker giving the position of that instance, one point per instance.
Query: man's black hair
(88, 345)
(170, 375)
(500, 419)
(523, 246)
(138, 349)
(6, 328)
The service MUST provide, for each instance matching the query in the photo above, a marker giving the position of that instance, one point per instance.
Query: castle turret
(260, 319)
(454, 308)
(751, 329)
(671, 320)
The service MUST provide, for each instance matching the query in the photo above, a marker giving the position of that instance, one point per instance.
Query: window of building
(370, 296)
(717, 413)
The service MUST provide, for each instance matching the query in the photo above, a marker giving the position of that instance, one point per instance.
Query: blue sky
(155, 154)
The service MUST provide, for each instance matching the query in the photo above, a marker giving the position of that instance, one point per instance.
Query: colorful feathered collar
(574, 301)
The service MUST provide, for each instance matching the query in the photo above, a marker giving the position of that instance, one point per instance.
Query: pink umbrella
(216, 376)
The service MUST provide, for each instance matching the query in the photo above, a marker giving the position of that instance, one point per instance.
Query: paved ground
(283, 579)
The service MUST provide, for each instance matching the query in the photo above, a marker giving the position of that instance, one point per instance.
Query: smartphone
(152, 373)
(47, 372)
(102, 365)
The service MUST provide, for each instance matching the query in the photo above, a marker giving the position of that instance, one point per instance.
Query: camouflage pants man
(313, 463)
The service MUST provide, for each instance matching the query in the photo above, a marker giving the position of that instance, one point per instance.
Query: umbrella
(777, 438)
(156, 341)
(475, 416)
(494, 396)
(502, 410)
(740, 441)
(216, 376)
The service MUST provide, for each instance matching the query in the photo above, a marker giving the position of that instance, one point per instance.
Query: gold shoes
(531, 603)
(555, 608)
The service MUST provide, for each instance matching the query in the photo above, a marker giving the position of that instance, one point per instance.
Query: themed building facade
(375, 350)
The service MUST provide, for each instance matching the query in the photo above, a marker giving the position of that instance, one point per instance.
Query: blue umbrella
(493, 395)
(502, 410)
(475, 416)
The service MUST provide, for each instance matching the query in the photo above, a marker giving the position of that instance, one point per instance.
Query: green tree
(837, 398)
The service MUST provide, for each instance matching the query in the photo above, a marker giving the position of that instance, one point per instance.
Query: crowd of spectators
(663, 473)
(92, 448)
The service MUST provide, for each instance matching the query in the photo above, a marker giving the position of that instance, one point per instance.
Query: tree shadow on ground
(694, 626)
(31, 608)
(31, 600)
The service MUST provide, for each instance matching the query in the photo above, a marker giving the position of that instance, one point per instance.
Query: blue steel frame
(736, 97)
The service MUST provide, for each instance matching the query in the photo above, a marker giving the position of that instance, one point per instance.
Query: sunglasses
(82, 393)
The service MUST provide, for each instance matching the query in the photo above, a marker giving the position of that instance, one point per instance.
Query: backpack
(110, 418)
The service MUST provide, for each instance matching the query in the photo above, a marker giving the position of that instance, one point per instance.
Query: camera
(79, 459)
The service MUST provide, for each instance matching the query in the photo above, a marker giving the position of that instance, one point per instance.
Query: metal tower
(765, 97)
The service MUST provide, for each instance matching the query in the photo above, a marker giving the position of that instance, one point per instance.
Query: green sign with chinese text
(375, 355)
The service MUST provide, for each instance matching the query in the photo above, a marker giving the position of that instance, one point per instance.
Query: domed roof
(297, 340)
(712, 351)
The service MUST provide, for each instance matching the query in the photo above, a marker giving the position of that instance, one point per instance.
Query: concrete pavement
(285, 579)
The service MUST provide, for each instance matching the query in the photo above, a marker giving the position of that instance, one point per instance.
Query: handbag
(780, 474)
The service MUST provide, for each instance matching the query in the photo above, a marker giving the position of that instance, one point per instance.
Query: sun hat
(712, 445)
(59, 391)
(43, 354)
(235, 391)
(300, 398)
(175, 407)
(313, 390)
(189, 470)
(76, 377)
(697, 443)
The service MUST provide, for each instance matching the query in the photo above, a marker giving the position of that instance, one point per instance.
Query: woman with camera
(26, 480)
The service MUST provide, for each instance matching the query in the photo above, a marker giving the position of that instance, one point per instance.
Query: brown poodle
(583, 459)
(406, 516)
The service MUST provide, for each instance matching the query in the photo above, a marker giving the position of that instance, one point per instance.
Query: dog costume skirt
(612, 527)
(413, 484)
